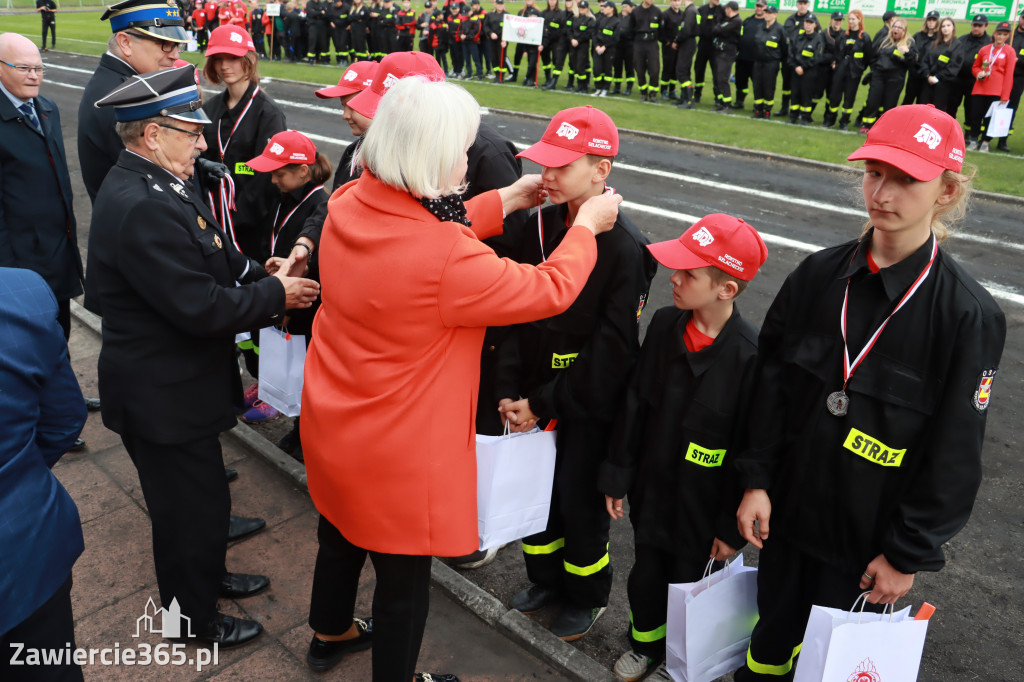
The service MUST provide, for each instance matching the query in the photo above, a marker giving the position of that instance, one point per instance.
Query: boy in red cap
(673, 442)
(573, 368)
(875, 370)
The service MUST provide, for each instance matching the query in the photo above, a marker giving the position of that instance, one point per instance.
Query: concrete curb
(518, 628)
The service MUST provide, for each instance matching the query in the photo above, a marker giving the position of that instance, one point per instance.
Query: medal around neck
(838, 403)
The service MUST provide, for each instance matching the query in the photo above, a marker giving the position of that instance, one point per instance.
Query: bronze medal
(202, 222)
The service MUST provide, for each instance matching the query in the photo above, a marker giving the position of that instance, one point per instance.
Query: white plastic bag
(282, 360)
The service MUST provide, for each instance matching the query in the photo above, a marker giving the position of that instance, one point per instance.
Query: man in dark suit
(164, 274)
(41, 414)
(145, 39)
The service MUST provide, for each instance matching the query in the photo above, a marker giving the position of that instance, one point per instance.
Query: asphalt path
(667, 183)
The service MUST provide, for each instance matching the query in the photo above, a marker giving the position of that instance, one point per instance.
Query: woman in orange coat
(993, 71)
(391, 377)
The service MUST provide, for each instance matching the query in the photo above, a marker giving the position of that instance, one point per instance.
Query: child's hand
(887, 584)
(518, 414)
(720, 551)
(752, 517)
(614, 507)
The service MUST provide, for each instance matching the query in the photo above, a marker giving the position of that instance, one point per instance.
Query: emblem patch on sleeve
(983, 396)
(640, 306)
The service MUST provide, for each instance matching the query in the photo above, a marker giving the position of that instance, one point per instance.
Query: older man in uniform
(165, 276)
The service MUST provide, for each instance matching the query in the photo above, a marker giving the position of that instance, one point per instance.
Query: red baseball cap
(716, 240)
(357, 77)
(182, 62)
(919, 139)
(287, 147)
(393, 68)
(229, 39)
(573, 133)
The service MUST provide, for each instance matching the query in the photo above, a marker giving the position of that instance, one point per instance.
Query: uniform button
(490, 348)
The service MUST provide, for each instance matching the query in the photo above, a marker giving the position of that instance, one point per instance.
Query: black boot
(616, 90)
(794, 116)
(672, 94)
(830, 119)
(570, 86)
(1002, 146)
(685, 98)
(784, 109)
(629, 89)
(696, 95)
(551, 84)
(844, 121)
(757, 111)
(738, 103)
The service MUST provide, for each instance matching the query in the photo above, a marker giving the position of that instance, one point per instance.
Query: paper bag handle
(863, 601)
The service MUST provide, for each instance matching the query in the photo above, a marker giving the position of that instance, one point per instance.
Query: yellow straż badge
(873, 449)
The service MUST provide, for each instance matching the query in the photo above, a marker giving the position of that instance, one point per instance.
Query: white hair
(419, 135)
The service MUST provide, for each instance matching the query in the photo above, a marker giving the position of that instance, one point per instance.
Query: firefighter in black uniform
(771, 52)
(529, 51)
(622, 63)
(726, 41)
(708, 16)
(337, 17)
(131, 21)
(834, 36)
(970, 46)
(808, 56)
(794, 26)
(685, 43)
(922, 39)
(862, 469)
(672, 446)
(606, 44)
(580, 35)
(358, 25)
(940, 66)
(494, 24)
(388, 28)
(319, 25)
(573, 368)
(894, 56)
(167, 280)
(645, 22)
(1017, 42)
(554, 24)
(405, 20)
(855, 53)
(748, 53)
(671, 19)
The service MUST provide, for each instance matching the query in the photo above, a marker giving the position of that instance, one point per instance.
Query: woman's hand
(799, 70)
(887, 584)
(527, 192)
(721, 551)
(598, 214)
(614, 507)
(755, 508)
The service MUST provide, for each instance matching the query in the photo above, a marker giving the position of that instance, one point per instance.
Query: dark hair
(938, 33)
(251, 68)
(319, 170)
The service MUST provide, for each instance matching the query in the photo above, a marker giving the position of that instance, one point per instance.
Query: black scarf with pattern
(448, 209)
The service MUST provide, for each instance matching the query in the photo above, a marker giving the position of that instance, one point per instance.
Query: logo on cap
(598, 143)
(390, 80)
(568, 131)
(351, 76)
(235, 38)
(703, 236)
(929, 136)
(276, 149)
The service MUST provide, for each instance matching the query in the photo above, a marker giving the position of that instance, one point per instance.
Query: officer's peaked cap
(159, 20)
(171, 92)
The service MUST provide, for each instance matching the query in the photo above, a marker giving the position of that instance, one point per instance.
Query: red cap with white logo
(919, 139)
(357, 77)
(716, 240)
(573, 133)
(229, 39)
(287, 147)
(393, 68)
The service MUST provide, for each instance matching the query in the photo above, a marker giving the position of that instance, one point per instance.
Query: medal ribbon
(226, 205)
(277, 228)
(849, 369)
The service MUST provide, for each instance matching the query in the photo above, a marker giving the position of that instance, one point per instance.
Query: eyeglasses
(26, 69)
(166, 46)
(195, 136)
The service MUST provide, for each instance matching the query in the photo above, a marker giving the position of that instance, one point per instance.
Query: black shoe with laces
(532, 599)
(324, 655)
(435, 677)
(575, 621)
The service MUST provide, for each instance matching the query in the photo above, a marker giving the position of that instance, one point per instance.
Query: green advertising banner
(995, 10)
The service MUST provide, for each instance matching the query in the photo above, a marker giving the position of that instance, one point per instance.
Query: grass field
(83, 32)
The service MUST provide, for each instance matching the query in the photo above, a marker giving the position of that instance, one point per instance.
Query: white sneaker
(983, 147)
(477, 559)
(631, 666)
(660, 674)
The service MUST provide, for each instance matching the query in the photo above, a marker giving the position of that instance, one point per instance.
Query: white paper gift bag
(282, 360)
(867, 647)
(514, 475)
(709, 623)
(999, 124)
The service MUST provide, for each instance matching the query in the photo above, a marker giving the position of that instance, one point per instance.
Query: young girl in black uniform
(876, 363)
(293, 164)
(855, 54)
(807, 56)
(940, 66)
(896, 55)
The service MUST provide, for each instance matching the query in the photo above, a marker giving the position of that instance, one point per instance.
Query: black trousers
(561, 51)
(50, 26)
(787, 81)
(401, 600)
(789, 582)
(647, 588)
(189, 506)
(318, 37)
(912, 92)
(669, 55)
(571, 554)
(455, 49)
(530, 52)
(645, 59)
(744, 76)
(978, 122)
(684, 63)
(360, 49)
(804, 89)
(844, 90)
(603, 68)
(765, 77)
(579, 60)
(622, 65)
(340, 38)
(883, 93)
(701, 62)
(64, 316)
(722, 67)
(52, 627)
(471, 56)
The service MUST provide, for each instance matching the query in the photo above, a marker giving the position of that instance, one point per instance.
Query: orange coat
(389, 401)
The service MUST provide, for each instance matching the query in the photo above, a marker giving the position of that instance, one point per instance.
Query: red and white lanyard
(226, 204)
(277, 227)
(540, 226)
(849, 369)
(992, 58)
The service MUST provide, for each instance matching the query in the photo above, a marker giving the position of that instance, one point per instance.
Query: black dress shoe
(92, 404)
(228, 631)
(238, 585)
(533, 598)
(230, 474)
(435, 677)
(323, 655)
(574, 622)
(79, 444)
(240, 527)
